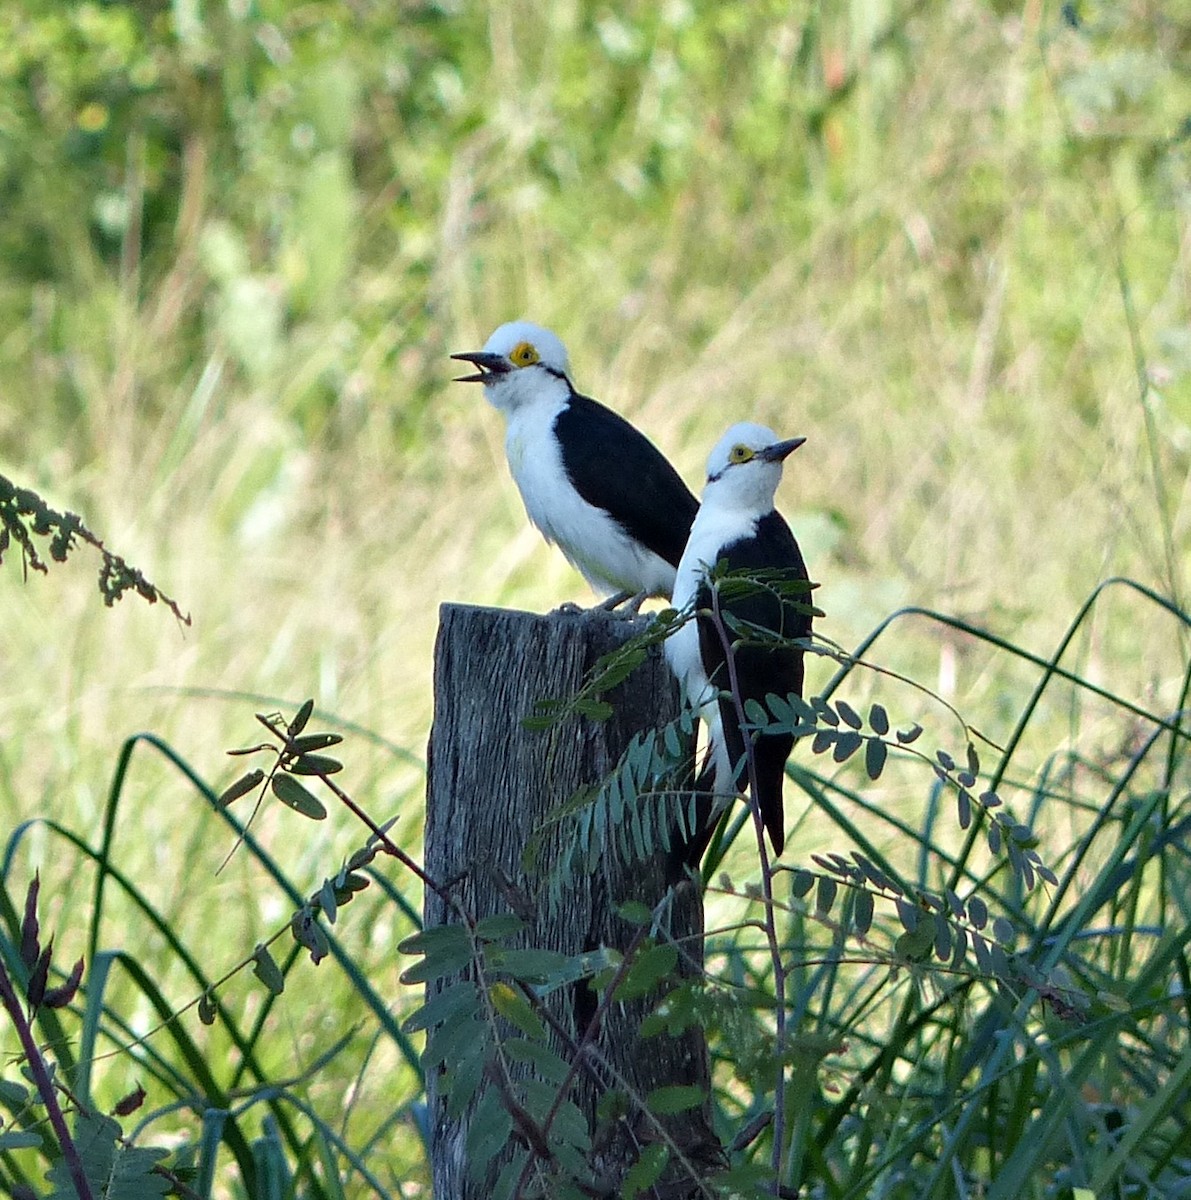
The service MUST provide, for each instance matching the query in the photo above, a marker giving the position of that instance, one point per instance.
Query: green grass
(950, 247)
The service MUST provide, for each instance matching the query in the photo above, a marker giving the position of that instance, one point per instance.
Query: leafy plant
(216, 1102)
(94, 1158)
(994, 955)
(25, 516)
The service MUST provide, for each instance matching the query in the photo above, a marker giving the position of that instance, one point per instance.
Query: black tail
(687, 849)
(769, 756)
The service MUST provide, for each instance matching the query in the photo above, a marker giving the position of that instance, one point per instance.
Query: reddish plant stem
(45, 1085)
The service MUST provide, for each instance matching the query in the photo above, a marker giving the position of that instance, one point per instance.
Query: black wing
(760, 669)
(617, 468)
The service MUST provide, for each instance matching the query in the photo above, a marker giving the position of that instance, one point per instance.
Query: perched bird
(738, 525)
(591, 483)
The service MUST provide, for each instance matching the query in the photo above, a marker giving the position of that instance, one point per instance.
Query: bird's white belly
(709, 534)
(682, 655)
(595, 544)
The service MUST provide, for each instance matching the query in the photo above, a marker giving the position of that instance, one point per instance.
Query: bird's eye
(524, 355)
(739, 453)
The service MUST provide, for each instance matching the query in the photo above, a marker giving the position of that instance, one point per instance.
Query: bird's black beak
(780, 451)
(490, 365)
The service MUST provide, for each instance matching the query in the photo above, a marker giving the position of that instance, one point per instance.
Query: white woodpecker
(594, 485)
(738, 526)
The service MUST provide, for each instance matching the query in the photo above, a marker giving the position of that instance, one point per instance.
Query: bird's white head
(521, 362)
(745, 467)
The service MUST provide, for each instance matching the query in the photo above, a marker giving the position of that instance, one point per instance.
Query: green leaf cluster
(490, 1052)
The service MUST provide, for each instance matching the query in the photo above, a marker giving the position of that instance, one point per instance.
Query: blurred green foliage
(298, 172)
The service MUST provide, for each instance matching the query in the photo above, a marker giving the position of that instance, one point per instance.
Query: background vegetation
(949, 243)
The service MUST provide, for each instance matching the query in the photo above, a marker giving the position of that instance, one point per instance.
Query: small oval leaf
(650, 967)
(875, 754)
(241, 787)
(994, 837)
(328, 901)
(265, 968)
(514, 1007)
(960, 949)
(314, 764)
(983, 956)
(447, 949)
(539, 967)
(307, 932)
(846, 744)
(300, 718)
(862, 911)
(1027, 874)
(646, 1171)
(310, 742)
(454, 1001)
(293, 795)
(635, 912)
(942, 938)
(916, 946)
(498, 926)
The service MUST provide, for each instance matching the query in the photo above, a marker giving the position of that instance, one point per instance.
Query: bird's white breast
(713, 529)
(595, 544)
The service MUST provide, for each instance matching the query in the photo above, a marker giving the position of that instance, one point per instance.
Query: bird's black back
(637, 487)
(760, 669)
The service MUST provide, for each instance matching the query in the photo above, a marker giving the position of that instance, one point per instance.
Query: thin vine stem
(775, 954)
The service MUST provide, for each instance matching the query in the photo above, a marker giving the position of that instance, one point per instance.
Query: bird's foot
(614, 602)
(625, 604)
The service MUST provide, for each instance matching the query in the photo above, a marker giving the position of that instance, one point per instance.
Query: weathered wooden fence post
(491, 785)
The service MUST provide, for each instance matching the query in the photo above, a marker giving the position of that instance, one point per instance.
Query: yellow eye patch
(524, 355)
(739, 453)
